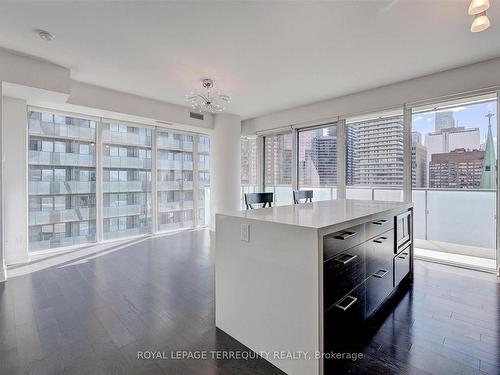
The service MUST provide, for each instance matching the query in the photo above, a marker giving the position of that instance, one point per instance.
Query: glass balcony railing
(61, 130)
(174, 164)
(61, 242)
(128, 139)
(125, 162)
(61, 187)
(126, 186)
(129, 210)
(174, 144)
(174, 185)
(173, 206)
(60, 159)
(60, 216)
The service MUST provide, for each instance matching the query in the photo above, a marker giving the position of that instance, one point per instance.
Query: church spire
(489, 175)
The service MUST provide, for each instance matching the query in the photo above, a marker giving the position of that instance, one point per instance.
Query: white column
(3, 272)
(14, 187)
(225, 176)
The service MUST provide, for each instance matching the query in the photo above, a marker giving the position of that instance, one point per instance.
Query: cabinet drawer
(380, 252)
(342, 273)
(401, 265)
(343, 322)
(379, 226)
(337, 242)
(378, 288)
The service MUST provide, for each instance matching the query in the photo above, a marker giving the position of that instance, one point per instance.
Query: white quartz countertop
(323, 214)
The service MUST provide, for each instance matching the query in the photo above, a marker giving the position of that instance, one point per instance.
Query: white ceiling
(268, 55)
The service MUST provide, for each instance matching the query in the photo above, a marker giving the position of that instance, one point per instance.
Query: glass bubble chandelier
(209, 101)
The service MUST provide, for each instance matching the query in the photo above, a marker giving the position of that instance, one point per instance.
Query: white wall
(451, 82)
(15, 203)
(225, 176)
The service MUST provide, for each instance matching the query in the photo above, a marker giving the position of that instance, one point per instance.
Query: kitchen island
(294, 282)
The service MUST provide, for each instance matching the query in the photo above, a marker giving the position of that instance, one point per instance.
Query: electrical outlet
(245, 232)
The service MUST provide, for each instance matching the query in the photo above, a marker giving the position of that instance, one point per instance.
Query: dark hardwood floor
(92, 316)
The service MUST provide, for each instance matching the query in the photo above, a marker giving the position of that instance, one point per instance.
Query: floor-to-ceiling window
(374, 158)
(278, 167)
(317, 161)
(249, 183)
(203, 180)
(126, 180)
(454, 178)
(174, 179)
(61, 180)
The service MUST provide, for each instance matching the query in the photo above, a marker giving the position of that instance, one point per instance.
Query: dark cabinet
(379, 259)
(360, 272)
(344, 320)
(342, 273)
(401, 265)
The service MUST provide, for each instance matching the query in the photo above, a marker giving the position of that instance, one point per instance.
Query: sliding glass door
(454, 179)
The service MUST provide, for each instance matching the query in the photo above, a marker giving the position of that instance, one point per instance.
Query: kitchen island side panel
(267, 289)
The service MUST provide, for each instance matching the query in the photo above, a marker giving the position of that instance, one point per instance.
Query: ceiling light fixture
(481, 22)
(45, 35)
(210, 101)
(478, 8)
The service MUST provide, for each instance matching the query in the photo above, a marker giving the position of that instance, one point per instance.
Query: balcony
(129, 210)
(60, 216)
(60, 242)
(174, 206)
(174, 144)
(61, 187)
(174, 185)
(129, 139)
(174, 164)
(126, 162)
(176, 225)
(60, 159)
(126, 186)
(61, 130)
(129, 232)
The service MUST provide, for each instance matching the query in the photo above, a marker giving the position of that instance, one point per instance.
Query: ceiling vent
(197, 116)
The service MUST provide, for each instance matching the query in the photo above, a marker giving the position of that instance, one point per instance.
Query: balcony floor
(90, 311)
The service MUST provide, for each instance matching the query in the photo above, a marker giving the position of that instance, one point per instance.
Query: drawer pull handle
(346, 258)
(380, 222)
(346, 302)
(380, 273)
(403, 256)
(346, 235)
(380, 239)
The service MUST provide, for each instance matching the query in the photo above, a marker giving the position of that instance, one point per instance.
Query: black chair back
(258, 198)
(302, 194)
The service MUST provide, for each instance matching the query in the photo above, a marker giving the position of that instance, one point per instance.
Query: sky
(468, 116)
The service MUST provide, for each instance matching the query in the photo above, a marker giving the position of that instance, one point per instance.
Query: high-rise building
(444, 120)
(61, 180)
(248, 161)
(126, 180)
(323, 154)
(489, 175)
(451, 139)
(379, 151)
(418, 161)
(278, 159)
(458, 169)
(352, 170)
(174, 152)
